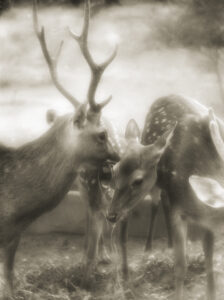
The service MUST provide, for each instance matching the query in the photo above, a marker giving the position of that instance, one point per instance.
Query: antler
(51, 61)
(96, 69)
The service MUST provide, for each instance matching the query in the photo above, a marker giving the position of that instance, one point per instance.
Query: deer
(36, 176)
(90, 177)
(182, 157)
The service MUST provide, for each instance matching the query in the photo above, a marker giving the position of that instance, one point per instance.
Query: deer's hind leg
(208, 247)
(9, 251)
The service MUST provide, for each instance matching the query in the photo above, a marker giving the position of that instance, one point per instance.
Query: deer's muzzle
(112, 217)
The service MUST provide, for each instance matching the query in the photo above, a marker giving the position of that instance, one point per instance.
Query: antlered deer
(35, 177)
(187, 166)
(89, 176)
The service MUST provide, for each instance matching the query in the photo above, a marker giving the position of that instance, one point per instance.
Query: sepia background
(164, 47)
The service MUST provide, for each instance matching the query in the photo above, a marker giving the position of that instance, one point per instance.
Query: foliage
(75, 2)
(200, 23)
(210, 15)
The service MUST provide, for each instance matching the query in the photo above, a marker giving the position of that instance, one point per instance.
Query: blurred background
(165, 47)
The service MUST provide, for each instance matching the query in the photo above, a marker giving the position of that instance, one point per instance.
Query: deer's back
(190, 152)
(164, 114)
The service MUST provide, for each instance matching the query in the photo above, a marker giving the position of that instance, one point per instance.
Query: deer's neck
(39, 175)
(54, 161)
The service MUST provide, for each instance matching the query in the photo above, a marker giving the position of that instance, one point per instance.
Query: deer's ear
(51, 116)
(80, 116)
(207, 190)
(163, 141)
(132, 131)
(157, 149)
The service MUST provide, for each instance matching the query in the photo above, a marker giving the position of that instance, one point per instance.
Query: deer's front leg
(104, 257)
(208, 245)
(123, 244)
(167, 216)
(154, 212)
(156, 196)
(95, 228)
(9, 252)
(179, 244)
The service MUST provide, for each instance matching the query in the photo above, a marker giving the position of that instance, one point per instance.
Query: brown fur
(34, 178)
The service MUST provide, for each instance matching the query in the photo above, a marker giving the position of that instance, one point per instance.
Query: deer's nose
(113, 155)
(112, 217)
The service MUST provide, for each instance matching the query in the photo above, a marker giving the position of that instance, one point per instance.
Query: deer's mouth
(112, 218)
(115, 217)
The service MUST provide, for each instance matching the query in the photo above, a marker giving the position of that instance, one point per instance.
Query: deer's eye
(102, 136)
(137, 182)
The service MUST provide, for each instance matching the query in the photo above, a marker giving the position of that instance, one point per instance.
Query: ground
(49, 267)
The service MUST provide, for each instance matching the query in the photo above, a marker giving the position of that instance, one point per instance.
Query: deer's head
(136, 174)
(83, 127)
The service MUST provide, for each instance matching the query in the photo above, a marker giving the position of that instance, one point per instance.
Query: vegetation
(48, 268)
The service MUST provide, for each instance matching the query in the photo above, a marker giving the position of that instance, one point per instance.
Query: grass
(49, 267)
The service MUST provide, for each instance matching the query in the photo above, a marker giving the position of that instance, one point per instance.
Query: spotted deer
(182, 158)
(90, 176)
(35, 177)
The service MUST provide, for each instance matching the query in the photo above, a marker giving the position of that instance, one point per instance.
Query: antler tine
(51, 61)
(96, 69)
